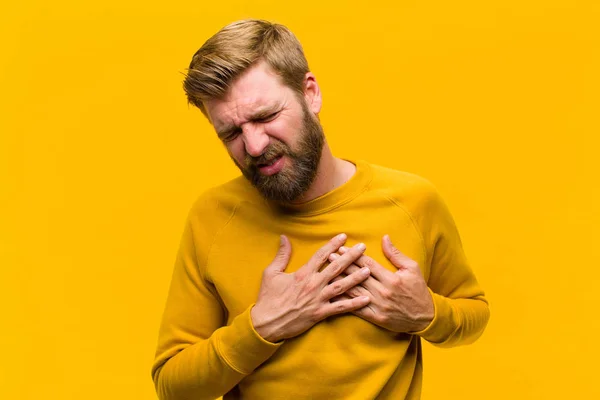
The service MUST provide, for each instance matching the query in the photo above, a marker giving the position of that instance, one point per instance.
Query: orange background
(496, 102)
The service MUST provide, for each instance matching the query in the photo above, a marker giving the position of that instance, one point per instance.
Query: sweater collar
(336, 197)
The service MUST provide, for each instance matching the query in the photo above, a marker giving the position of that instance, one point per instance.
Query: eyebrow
(260, 114)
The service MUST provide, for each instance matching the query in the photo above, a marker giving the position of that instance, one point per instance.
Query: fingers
(366, 313)
(399, 259)
(350, 269)
(340, 264)
(282, 258)
(340, 286)
(319, 258)
(341, 297)
(371, 284)
(377, 270)
(343, 305)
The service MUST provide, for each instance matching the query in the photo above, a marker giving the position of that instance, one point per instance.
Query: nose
(255, 138)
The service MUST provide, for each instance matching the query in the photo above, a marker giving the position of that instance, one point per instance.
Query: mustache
(273, 151)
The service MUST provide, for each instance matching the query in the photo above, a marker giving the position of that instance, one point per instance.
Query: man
(248, 318)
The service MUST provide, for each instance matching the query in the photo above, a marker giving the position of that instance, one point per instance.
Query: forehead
(257, 89)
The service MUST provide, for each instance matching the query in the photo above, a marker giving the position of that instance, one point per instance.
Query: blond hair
(234, 49)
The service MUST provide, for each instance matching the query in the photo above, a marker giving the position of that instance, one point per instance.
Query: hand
(400, 301)
(290, 304)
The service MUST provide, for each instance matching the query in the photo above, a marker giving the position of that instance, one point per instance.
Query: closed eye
(267, 118)
(231, 135)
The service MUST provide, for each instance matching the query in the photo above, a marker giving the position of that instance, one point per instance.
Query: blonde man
(246, 318)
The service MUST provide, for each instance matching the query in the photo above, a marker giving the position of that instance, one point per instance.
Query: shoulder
(418, 197)
(218, 203)
(415, 195)
(409, 190)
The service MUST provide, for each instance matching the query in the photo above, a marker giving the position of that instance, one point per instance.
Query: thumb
(282, 258)
(399, 259)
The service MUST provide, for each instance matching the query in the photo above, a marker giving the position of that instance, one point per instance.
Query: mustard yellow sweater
(207, 346)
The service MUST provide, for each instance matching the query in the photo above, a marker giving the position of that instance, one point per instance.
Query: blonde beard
(293, 180)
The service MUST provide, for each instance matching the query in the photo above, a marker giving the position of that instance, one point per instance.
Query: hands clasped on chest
(290, 304)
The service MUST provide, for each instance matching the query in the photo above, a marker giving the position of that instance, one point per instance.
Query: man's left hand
(400, 301)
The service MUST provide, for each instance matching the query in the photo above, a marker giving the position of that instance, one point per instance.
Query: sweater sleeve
(197, 356)
(461, 309)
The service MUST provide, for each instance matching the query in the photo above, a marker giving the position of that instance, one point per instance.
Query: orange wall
(496, 102)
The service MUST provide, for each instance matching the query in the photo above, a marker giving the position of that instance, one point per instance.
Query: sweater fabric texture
(207, 346)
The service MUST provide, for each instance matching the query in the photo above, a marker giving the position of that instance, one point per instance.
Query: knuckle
(336, 268)
(337, 288)
(280, 254)
(386, 293)
(386, 309)
(317, 316)
(339, 267)
(298, 277)
(339, 307)
(321, 255)
(396, 281)
(310, 287)
(383, 318)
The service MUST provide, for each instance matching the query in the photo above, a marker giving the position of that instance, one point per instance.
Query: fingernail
(361, 246)
(280, 239)
(334, 256)
(343, 248)
(341, 236)
(365, 271)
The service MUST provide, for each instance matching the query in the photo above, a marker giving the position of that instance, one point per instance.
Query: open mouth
(272, 166)
(269, 163)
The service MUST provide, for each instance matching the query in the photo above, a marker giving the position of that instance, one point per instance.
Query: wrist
(262, 327)
(422, 323)
(425, 318)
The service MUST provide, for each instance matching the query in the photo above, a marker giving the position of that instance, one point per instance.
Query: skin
(290, 304)
(238, 118)
(256, 115)
(400, 301)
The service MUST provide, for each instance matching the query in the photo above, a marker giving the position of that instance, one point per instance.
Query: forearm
(211, 367)
(456, 322)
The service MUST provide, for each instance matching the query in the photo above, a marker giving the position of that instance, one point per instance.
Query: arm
(197, 357)
(446, 306)
(461, 309)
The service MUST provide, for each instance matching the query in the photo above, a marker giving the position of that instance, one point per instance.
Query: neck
(332, 173)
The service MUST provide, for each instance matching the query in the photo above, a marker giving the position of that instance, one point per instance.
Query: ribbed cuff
(242, 348)
(444, 322)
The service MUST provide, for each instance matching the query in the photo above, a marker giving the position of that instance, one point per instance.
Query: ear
(312, 93)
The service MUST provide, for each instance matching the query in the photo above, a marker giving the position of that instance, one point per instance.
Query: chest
(250, 240)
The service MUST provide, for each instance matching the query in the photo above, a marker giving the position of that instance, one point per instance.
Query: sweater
(207, 345)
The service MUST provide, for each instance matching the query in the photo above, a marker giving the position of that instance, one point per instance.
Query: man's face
(270, 133)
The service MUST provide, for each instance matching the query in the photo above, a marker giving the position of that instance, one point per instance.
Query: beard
(292, 180)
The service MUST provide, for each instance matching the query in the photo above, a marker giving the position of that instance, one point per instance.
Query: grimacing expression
(295, 179)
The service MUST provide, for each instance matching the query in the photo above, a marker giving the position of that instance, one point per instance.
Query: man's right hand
(290, 304)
